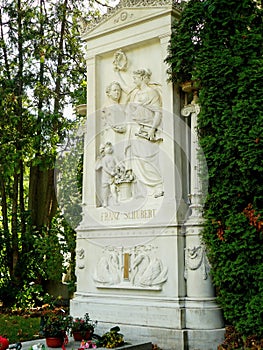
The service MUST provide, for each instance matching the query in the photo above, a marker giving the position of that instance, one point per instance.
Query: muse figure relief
(134, 130)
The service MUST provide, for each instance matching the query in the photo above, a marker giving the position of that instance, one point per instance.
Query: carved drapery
(195, 258)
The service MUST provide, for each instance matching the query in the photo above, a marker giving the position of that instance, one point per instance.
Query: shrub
(228, 65)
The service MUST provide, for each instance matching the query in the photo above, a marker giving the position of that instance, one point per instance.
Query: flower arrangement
(113, 338)
(79, 324)
(55, 323)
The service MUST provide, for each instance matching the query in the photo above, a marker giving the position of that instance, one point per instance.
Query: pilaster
(202, 311)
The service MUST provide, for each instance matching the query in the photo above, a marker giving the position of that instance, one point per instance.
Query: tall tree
(41, 67)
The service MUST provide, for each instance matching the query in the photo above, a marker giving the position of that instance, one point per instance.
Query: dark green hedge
(226, 59)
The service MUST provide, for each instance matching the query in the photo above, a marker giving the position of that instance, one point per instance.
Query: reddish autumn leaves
(254, 219)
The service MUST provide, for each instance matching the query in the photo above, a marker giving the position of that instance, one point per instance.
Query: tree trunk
(42, 197)
(14, 227)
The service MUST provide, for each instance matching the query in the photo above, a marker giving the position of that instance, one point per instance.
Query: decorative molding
(195, 258)
(190, 109)
(87, 26)
(124, 15)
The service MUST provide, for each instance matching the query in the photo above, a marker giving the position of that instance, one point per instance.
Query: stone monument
(140, 262)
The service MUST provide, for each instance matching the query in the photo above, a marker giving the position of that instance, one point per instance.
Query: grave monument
(140, 261)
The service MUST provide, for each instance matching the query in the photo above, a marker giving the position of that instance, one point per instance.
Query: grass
(19, 328)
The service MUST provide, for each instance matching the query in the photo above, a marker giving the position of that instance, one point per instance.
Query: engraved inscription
(132, 215)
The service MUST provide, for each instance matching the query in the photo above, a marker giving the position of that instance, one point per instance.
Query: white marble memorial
(140, 262)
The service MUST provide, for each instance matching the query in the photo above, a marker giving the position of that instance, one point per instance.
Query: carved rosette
(195, 258)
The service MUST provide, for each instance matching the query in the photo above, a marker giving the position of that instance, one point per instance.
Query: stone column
(202, 311)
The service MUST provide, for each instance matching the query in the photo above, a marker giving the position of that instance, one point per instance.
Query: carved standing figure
(107, 163)
(114, 120)
(145, 116)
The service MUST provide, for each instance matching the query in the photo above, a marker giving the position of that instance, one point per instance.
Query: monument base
(146, 319)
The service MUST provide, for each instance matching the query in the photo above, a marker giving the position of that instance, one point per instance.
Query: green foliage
(183, 51)
(42, 71)
(228, 65)
(69, 166)
(28, 296)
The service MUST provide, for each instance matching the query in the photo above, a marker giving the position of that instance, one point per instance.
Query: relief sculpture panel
(131, 133)
(134, 268)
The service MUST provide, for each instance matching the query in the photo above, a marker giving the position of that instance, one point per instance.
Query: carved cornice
(174, 4)
(146, 3)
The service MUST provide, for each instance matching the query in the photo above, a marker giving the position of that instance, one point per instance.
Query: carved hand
(151, 134)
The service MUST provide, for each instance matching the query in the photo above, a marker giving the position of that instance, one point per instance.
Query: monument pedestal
(140, 264)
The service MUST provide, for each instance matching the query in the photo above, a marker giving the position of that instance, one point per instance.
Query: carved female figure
(145, 116)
